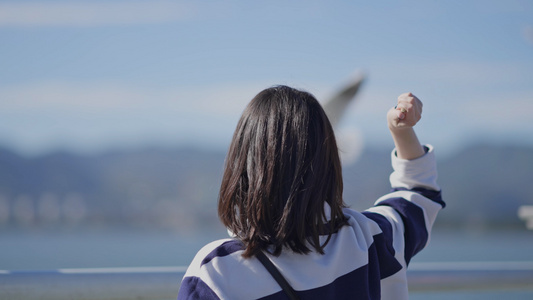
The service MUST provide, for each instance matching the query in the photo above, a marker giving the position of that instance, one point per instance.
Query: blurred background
(115, 116)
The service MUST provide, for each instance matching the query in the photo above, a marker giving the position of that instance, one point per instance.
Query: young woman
(281, 195)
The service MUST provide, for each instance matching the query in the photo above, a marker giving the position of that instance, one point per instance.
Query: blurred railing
(163, 282)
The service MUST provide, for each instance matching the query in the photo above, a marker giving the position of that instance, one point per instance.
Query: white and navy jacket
(366, 259)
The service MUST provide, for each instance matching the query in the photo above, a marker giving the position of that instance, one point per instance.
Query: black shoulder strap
(277, 275)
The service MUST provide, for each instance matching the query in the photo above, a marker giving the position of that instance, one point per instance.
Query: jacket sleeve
(407, 214)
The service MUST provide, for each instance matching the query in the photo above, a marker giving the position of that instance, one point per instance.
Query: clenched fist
(406, 114)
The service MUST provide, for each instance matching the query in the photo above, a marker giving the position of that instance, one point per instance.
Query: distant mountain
(177, 188)
(484, 185)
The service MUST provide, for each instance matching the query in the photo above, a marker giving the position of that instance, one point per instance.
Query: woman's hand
(407, 112)
(401, 121)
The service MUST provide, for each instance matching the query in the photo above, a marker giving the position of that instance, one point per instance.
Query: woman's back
(324, 252)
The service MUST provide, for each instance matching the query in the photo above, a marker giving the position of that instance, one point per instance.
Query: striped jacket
(366, 259)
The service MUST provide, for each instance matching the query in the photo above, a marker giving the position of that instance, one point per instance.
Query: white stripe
(420, 172)
(473, 266)
(123, 270)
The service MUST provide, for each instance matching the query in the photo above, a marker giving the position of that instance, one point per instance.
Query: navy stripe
(435, 196)
(225, 249)
(362, 283)
(194, 288)
(388, 265)
(412, 215)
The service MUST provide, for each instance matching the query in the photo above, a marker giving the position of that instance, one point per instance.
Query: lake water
(34, 250)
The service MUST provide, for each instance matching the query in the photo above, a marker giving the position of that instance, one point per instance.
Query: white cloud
(45, 95)
(88, 14)
(95, 116)
(92, 116)
(220, 100)
(89, 117)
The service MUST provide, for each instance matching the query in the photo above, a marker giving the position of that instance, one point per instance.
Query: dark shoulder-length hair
(282, 166)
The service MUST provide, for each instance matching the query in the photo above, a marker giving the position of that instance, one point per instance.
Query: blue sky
(88, 76)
